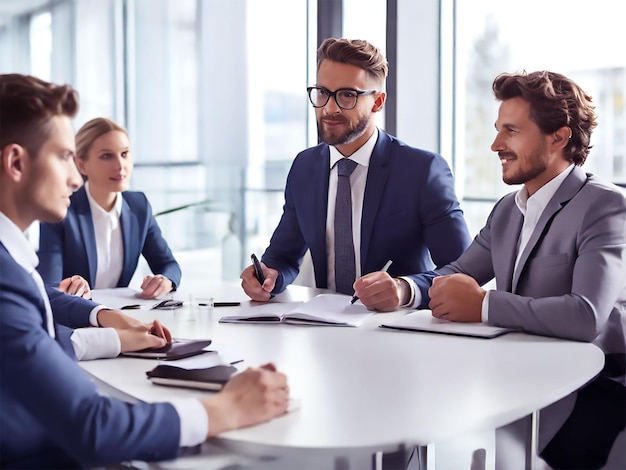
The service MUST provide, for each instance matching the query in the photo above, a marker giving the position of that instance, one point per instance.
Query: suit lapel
(87, 231)
(377, 175)
(510, 239)
(129, 226)
(319, 211)
(571, 185)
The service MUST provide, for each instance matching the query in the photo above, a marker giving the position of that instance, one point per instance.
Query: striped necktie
(345, 269)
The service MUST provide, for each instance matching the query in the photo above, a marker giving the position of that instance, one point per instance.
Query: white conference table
(367, 390)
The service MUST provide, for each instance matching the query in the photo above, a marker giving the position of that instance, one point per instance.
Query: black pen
(226, 304)
(383, 270)
(257, 269)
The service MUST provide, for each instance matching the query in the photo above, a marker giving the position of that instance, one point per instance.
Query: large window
(279, 62)
(213, 93)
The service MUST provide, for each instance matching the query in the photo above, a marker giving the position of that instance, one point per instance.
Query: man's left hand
(154, 286)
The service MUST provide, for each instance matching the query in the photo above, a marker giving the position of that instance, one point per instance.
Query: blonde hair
(90, 131)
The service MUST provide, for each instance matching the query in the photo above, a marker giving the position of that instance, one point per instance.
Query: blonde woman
(98, 244)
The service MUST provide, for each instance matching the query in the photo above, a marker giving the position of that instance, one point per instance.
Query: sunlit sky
(552, 34)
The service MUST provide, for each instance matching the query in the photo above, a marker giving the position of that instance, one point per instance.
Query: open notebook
(423, 320)
(323, 309)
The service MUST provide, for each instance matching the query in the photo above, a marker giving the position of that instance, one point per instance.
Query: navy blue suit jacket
(69, 247)
(51, 415)
(410, 213)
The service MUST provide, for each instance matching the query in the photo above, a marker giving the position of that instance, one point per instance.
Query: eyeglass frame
(333, 94)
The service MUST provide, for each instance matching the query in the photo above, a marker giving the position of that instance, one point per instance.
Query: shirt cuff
(484, 311)
(416, 296)
(194, 421)
(95, 343)
(93, 316)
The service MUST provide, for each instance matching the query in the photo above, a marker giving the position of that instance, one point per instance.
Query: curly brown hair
(555, 102)
(357, 52)
(27, 104)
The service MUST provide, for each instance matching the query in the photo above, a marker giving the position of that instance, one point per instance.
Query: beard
(354, 131)
(535, 166)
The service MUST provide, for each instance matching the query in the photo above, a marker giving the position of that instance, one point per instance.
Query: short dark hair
(27, 104)
(555, 102)
(357, 52)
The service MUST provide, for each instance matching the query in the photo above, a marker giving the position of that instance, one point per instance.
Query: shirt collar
(97, 209)
(361, 156)
(544, 194)
(17, 244)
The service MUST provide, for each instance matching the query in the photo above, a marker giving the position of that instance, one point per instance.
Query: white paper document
(322, 310)
(125, 298)
(423, 320)
(202, 361)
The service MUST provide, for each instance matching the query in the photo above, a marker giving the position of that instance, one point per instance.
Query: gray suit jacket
(571, 278)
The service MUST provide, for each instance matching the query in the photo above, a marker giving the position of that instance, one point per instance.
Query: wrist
(100, 317)
(108, 318)
(404, 291)
(221, 413)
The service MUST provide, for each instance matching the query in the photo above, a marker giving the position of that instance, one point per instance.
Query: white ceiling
(10, 8)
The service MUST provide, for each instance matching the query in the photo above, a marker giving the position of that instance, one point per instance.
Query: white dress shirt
(93, 343)
(358, 178)
(88, 343)
(531, 208)
(109, 246)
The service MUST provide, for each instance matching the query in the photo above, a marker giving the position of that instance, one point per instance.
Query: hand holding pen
(377, 290)
(258, 281)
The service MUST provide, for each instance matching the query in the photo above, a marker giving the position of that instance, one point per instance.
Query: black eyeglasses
(345, 98)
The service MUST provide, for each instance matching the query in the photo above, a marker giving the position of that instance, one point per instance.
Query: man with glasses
(391, 202)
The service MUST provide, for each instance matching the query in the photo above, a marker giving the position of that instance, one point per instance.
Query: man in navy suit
(51, 414)
(404, 206)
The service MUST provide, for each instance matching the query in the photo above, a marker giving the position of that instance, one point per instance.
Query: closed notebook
(175, 350)
(322, 310)
(423, 320)
(210, 378)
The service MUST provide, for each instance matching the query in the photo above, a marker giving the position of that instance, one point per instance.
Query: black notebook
(211, 378)
(423, 320)
(175, 350)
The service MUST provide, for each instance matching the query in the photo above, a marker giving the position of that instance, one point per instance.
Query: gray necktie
(345, 270)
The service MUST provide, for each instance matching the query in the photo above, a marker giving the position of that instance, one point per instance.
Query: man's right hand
(140, 337)
(251, 286)
(251, 397)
